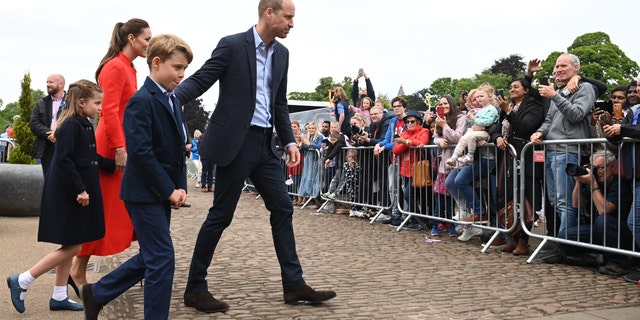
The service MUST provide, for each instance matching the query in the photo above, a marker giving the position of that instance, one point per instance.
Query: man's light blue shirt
(261, 115)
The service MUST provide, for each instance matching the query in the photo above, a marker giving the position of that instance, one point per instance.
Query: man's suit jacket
(155, 145)
(233, 63)
(40, 124)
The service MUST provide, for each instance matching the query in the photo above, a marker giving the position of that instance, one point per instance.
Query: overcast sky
(400, 42)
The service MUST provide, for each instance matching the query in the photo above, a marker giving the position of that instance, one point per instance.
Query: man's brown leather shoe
(307, 294)
(204, 301)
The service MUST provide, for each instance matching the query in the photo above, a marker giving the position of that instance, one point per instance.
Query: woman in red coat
(117, 78)
(414, 136)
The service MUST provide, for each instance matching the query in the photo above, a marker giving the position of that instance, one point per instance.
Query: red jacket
(418, 137)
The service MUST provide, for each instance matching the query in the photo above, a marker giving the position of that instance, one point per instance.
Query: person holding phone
(567, 119)
(519, 118)
(357, 94)
(449, 127)
(607, 113)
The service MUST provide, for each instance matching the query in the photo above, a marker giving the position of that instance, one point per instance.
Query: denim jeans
(464, 180)
(634, 216)
(560, 187)
(395, 213)
(450, 183)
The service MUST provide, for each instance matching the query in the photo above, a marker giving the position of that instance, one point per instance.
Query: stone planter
(20, 189)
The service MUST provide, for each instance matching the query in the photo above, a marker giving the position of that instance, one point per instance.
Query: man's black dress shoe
(204, 301)
(91, 307)
(307, 294)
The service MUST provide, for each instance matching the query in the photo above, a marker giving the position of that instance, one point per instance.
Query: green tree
(321, 92)
(498, 81)
(441, 86)
(454, 87)
(11, 109)
(195, 117)
(512, 66)
(23, 136)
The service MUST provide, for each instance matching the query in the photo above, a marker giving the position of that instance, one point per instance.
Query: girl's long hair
(79, 90)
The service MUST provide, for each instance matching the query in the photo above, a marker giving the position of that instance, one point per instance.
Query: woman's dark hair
(452, 117)
(526, 85)
(624, 89)
(119, 39)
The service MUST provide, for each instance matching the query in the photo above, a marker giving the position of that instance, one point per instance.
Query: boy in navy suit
(153, 181)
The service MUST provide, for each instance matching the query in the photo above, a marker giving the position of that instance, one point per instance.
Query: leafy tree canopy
(321, 92)
(195, 117)
(512, 66)
(455, 87)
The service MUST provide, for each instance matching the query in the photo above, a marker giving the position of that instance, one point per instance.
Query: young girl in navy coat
(71, 209)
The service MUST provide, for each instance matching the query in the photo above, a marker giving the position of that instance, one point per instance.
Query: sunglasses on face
(411, 121)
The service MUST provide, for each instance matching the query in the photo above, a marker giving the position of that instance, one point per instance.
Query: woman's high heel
(73, 286)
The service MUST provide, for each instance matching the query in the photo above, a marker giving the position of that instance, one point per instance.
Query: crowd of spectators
(467, 185)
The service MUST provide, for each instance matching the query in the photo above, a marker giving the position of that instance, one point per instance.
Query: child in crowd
(484, 117)
(337, 141)
(351, 170)
(364, 109)
(195, 155)
(67, 217)
(155, 179)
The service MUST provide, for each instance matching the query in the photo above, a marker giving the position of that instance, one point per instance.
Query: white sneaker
(469, 233)
(198, 185)
(382, 217)
(356, 213)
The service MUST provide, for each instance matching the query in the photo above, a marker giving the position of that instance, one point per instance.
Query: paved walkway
(377, 272)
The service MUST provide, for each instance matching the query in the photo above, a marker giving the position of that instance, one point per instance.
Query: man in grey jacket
(568, 118)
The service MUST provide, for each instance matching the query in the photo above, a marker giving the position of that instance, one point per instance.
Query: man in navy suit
(252, 70)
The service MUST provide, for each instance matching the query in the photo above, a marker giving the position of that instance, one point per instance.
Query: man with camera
(605, 199)
(568, 118)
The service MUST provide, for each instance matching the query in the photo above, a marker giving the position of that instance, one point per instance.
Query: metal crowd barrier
(368, 191)
(419, 201)
(380, 187)
(6, 145)
(294, 175)
(582, 232)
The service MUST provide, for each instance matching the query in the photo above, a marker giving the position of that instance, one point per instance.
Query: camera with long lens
(575, 170)
(357, 130)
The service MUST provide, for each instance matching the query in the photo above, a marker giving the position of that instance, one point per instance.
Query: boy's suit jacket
(155, 147)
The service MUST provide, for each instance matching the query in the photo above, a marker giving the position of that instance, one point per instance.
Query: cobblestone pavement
(378, 273)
